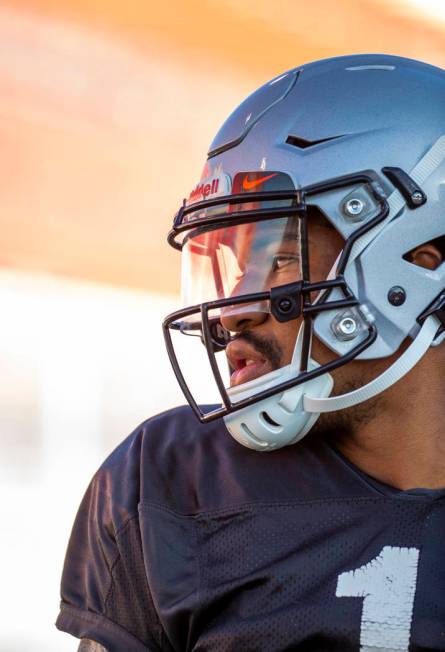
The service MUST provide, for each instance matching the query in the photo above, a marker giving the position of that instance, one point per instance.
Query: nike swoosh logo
(250, 185)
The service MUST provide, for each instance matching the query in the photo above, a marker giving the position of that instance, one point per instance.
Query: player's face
(260, 343)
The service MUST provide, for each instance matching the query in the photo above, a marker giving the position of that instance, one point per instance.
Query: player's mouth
(246, 363)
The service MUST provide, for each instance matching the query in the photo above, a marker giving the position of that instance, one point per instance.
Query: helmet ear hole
(429, 255)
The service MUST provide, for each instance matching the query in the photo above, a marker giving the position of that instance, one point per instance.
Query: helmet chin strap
(285, 418)
(395, 372)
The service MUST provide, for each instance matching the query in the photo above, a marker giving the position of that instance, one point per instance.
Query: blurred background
(106, 112)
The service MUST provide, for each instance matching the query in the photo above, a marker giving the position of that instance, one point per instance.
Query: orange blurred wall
(107, 109)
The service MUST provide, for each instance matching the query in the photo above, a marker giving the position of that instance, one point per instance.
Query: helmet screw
(285, 305)
(397, 296)
(417, 198)
(345, 327)
(354, 206)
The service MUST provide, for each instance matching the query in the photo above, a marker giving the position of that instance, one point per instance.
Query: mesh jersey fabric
(186, 540)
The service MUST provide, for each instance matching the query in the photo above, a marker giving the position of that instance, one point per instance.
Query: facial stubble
(339, 426)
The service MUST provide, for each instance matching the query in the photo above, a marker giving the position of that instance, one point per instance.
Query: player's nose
(243, 317)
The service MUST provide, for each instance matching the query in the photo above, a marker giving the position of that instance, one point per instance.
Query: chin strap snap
(400, 368)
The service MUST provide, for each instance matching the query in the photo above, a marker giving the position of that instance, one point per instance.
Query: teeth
(249, 361)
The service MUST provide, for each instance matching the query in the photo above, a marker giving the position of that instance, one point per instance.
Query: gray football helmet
(359, 140)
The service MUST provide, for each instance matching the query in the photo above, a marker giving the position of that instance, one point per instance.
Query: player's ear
(427, 255)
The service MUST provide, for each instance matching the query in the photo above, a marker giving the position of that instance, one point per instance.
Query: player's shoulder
(162, 461)
(175, 433)
(174, 462)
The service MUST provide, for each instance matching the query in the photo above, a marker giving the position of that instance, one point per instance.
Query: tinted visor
(240, 259)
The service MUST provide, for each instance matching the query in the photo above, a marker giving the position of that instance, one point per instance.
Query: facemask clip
(286, 301)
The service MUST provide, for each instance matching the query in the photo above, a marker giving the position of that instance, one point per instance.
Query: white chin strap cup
(285, 418)
(280, 419)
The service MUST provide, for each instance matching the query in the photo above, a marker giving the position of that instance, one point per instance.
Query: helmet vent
(431, 261)
(269, 420)
(302, 143)
(370, 67)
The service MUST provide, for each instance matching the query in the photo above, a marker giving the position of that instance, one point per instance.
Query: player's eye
(281, 261)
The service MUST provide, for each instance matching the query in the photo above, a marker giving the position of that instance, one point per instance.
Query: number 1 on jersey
(387, 585)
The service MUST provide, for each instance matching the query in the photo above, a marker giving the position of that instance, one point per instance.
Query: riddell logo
(204, 190)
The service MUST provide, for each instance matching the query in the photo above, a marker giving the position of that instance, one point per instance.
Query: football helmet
(358, 141)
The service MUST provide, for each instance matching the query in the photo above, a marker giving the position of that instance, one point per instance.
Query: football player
(314, 283)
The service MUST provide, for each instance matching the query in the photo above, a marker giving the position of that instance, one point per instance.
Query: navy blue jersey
(185, 540)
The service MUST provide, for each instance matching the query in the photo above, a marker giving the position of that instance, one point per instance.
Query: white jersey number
(387, 585)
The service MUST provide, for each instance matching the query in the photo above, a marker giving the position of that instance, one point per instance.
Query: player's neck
(404, 446)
